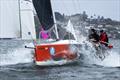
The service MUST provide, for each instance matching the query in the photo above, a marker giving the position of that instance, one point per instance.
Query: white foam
(16, 56)
(113, 60)
(89, 52)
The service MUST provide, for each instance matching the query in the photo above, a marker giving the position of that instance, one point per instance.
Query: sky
(106, 8)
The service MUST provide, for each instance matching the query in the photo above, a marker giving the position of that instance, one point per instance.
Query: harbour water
(16, 63)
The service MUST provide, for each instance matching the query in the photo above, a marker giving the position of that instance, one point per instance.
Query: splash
(89, 56)
(113, 60)
(16, 56)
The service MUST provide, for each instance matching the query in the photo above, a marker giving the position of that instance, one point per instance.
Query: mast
(20, 19)
(53, 13)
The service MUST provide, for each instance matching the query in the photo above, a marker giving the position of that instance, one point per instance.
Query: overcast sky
(106, 8)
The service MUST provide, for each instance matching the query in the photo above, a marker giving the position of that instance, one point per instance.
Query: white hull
(54, 63)
(60, 42)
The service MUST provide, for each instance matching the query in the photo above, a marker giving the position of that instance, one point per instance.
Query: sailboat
(55, 52)
(17, 19)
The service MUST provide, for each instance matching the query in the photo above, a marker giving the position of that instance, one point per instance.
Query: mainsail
(44, 12)
(16, 19)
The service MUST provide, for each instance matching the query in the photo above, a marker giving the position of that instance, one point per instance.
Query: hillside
(112, 27)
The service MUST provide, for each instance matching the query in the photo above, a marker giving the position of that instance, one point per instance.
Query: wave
(16, 56)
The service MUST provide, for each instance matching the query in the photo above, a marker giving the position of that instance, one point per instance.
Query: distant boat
(16, 19)
(53, 51)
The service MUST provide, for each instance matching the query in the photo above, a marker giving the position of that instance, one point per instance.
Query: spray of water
(16, 56)
(112, 60)
(89, 53)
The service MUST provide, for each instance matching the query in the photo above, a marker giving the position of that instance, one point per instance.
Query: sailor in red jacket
(103, 38)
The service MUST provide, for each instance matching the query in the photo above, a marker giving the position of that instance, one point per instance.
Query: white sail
(17, 19)
(71, 29)
(27, 19)
(9, 19)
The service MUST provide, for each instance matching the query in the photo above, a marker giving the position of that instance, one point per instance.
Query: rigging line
(50, 29)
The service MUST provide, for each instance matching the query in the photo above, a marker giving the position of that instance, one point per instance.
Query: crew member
(43, 34)
(94, 37)
(103, 38)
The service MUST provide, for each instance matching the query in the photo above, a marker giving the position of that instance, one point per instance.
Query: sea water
(17, 63)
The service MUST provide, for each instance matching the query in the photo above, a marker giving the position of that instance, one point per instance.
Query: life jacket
(103, 38)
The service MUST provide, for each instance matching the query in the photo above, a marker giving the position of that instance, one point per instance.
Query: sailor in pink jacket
(43, 34)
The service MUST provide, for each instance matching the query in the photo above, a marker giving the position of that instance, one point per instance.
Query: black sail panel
(44, 12)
